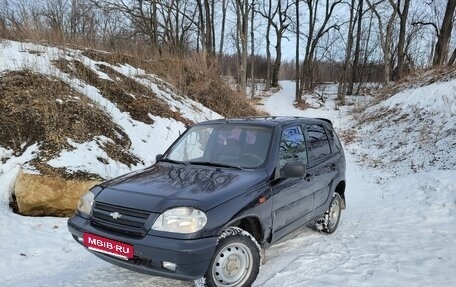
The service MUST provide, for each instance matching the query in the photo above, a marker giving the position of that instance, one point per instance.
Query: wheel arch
(251, 224)
(340, 189)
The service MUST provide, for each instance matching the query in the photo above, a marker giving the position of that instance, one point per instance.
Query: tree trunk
(355, 68)
(222, 32)
(252, 54)
(278, 60)
(385, 39)
(208, 28)
(268, 48)
(202, 25)
(441, 48)
(297, 94)
(242, 13)
(314, 38)
(342, 88)
(361, 75)
(403, 15)
(453, 58)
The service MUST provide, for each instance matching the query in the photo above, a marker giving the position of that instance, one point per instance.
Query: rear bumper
(192, 257)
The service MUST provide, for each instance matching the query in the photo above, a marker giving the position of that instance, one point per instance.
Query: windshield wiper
(172, 161)
(217, 164)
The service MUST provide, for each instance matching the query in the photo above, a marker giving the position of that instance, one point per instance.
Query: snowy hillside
(124, 116)
(414, 129)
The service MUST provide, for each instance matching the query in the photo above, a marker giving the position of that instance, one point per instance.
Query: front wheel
(328, 222)
(236, 260)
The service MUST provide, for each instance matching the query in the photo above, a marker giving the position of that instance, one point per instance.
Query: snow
(397, 230)
(85, 157)
(414, 129)
(145, 144)
(9, 169)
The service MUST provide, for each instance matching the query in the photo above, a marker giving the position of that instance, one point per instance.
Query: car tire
(329, 221)
(236, 260)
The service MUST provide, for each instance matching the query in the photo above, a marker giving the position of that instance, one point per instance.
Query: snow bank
(413, 130)
(9, 169)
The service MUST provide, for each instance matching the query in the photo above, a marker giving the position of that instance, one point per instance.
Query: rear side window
(292, 146)
(318, 142)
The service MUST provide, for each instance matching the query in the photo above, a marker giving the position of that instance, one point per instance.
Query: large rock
(38, 195)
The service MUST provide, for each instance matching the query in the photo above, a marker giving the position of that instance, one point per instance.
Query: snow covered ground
(396, 231)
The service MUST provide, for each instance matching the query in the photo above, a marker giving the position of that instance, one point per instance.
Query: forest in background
(310, 41)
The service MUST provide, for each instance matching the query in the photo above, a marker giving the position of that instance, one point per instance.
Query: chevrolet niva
(225, 190)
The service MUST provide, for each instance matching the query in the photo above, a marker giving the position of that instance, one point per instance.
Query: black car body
(280, 173)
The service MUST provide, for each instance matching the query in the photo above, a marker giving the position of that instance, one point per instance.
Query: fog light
(81, 239)
(169, 265)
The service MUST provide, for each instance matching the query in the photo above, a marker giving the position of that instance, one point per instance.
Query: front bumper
(192, 257)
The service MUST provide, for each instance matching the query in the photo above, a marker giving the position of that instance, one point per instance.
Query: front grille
(131, 221)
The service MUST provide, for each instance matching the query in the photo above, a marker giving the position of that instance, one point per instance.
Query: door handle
(333, 166)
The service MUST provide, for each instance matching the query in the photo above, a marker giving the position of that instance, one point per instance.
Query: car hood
(163, 186)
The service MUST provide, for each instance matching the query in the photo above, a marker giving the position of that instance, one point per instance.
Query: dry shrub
(203, 84)
(417, 78)
(303, 105)
(45, 110)
(129, 95)
(114, 58)
(195, 75)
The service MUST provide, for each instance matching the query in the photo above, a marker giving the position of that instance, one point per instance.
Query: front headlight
(181, 220)
(85, 203)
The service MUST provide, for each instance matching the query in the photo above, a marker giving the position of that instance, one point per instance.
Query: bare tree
(222, 32)
(386, 36)
(268, 42)
(342, 88)
(279, 19)
(252, 51)
(403, 15)
(242, 29)
(443, 38)
(314, 35)
(206, 25)
(297, 93)
(54, 13)
(355, 67)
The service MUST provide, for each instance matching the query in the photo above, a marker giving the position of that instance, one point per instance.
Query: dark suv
(223, 191)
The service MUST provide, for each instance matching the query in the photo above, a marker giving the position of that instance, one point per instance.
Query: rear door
(292, 197)
(322, 163)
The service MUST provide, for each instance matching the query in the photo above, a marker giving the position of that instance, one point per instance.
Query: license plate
(108, 246)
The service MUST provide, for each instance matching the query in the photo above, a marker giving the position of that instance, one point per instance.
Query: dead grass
(44, 110)
(195, 76)
(348, 136)
(416, 79)
(129, 95)
(302, 105)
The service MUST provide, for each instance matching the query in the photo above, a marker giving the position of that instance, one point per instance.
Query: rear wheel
(328, 222)
(236, 260)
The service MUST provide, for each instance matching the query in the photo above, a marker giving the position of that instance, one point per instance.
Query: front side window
(318, 142)
(292, 146)
(239, 145)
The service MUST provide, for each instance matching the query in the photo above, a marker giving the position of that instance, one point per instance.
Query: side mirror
(158, 157)
(293, 169)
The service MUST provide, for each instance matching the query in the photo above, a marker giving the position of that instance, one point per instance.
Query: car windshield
(229, 144)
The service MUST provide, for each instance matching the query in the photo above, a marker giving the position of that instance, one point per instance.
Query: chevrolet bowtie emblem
(115, 215)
